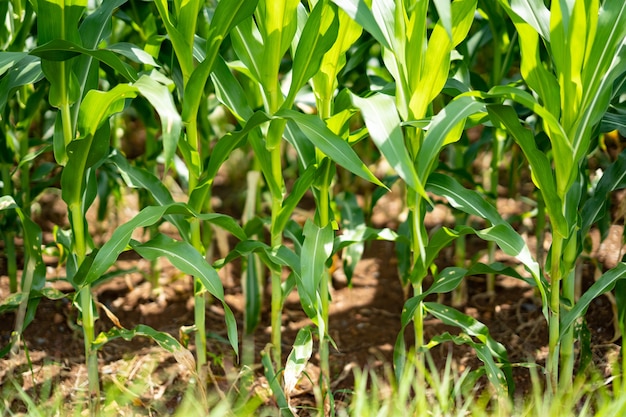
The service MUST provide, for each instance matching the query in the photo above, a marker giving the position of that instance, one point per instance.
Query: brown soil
(364, 324)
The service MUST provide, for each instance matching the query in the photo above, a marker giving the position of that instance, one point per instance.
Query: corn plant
(181, 26)
(261, 44)
(571, 97)
(419, 65)
(585, 41)
(69, 59)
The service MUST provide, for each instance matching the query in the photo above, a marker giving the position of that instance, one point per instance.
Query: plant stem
(418, 241)
(324, 219)
(9, 235)
(555, 306)
(569, 292)
(274, 137)
(196, 242)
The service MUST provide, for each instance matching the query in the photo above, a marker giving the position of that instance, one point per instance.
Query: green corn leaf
(596, 103)
(433, 76)
(564, 164)
(446, 281)
(34, 271)
(148, 216)
(60, 23)
(603, 284)
(325, 81)
(182, 44)
(444, 10)
(469, 325)
(59, 50)
(502, 233)
(82, 155)
(225, 146)
(318, 246)
(536, 75)
(247, 44)
(97, 25)
(25, 71)
(383, 124)
(613, 178)
(535, 13)
(164, 340)
(298, 358)
(449, 118)
(94, 28)
(270, 375)
(300, 187)
(277, 21)
(252, 288)
(229, 91)
(133, 53)
(171, 124)
(227, 15)
(362, 14)
(332, 145)
(495, 374)
(140, 178)
(301, 143)
(9, 59)
(541, 168)
(249, 247)
(318, 36)
(459, 197)
(353, 229)
(184, 257)
(99, 106)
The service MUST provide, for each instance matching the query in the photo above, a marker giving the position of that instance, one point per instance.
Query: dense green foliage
(338, 84)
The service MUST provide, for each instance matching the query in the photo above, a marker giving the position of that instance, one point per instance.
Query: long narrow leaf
(184, 257)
